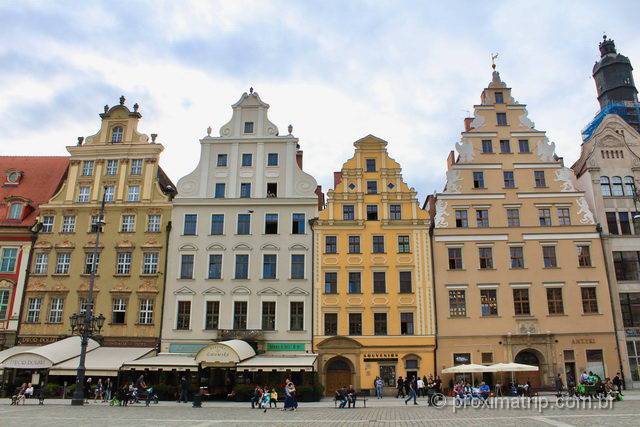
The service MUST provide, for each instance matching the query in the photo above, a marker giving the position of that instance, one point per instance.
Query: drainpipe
(313, 270)
(435, 306)
(34, 236)
(164, 280)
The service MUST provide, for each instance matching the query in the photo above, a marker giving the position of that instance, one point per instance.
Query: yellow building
(129, 283)
(373, 294)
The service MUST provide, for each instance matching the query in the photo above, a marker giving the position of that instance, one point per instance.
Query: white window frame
(47, 224)
(136, 166)
(304, 266)
(15, 210)
(68, 224)
(175, 322)
(150, 262)
(112, 167)
(33, 310)
(56, 308)
(89, 259)
(269, 298)
(5, 299)
(109, 193)
(87, 168)
(204, 312)
(84, 193)
(12, 260)
(40, 263)
(63, 261)
(277, 276)
(117, 134)
(235, 261)
(301, 299)
(128, 224)
(221, 264)
(224, 224)
(133, 193)
(145, 313)
(123, 263)
(154, 226)
(119, 305)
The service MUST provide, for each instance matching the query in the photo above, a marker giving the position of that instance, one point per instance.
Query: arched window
(629, 186)
(605, 187)
(617, 186)
(117, 134)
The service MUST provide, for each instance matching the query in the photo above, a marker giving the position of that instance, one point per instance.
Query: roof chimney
(299, 158)
(467, 124)
(337, 179)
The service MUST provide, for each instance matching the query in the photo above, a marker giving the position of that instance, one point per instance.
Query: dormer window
(15, 211)
(13, 177)
(248, 127)
(117, 134)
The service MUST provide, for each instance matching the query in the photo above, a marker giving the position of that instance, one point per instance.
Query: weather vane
(493, 60)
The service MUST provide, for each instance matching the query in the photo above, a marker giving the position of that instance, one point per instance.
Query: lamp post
(85, 324)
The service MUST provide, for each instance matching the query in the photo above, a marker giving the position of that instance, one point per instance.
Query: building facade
(609, 169)
(373, 293)
(240, 264)
(121, 164)
(519, 268)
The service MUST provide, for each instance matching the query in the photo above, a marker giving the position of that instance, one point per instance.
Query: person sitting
(584, 378)
(468, 392)
(458, 390)
(351, 397)
(341, 396)
(484, 391)
(273, 398)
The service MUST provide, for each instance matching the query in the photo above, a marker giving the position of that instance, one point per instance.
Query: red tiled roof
(41, 179)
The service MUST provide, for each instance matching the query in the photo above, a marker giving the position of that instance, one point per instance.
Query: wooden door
(532, 377)
(337, 379)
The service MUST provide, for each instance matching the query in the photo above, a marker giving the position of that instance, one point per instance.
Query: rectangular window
(513, 217)
(521, 302)
(354, 244)
(378, 244)
(584, 256)
(630, 305)
(47, 224)
(33, 310)
(244, 224)
(268, 315)
(487, 146)
(457, 303)
(85, 305)
(523, 144)
(183, 319)
(271, 224)
(486, 358)
(221, 160)
(83, 194)
(136, 167)
(145, 316)
(68, 224)
(55, 310)
(509, 182)
(554, 301)
(371, 165)
(330, 283)
(372, 212)
(539, 179)
(372, 187)
(217, 224)
(544, 215)
(589, 300)
(248, 127)
(212, 315)
(501, 119)
(331, 323)
(245, 190)
(119, 314)
(625, 225)
(612, 223)
(297, 266)
(331, 245)
(112, 167)
(549, 256)
(348, 212)
(462, 219)
(505, 146)
(499, 98)
(240, 315)
(190, 224)
(455, 258)
(406, 323)
(242, 267)
(247, 159)
(297, 224)
(97, 223)
(123, 263)
(379, 282)
(395, 212)
(215, 266)
(87, 168)
(380, 323)
(564, 218)
(272, 159)
(63, 261)
(150, 263)
(488, 302)
(269, 266)
(128, 224)
(109, 193)
(517, 256)
(406, 285)
(272, 189)
(153, 224)
(186, 266)
(15, 210)
(354, 283)
(486, 258)
(627, 265)
(9, 259)
(482, 218)
(40, 264)
(355, 323)
(478, 180)
(134, 193)
(91, 262)
(220, 190)
(297, 315)
(403, 245)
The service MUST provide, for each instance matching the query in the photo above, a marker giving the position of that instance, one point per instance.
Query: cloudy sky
(336, 69)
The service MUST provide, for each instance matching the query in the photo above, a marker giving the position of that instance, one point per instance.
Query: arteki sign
(27, 361)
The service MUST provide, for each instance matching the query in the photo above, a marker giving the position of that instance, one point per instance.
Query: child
(274, 398)
(266, 400)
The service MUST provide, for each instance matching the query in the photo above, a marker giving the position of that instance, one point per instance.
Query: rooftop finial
(106, 108)
(250, 90)
(135, 107)
(209, 131)
(494, 56)
(122, 99)
(290, 129)
(154, 136)
(80, 140)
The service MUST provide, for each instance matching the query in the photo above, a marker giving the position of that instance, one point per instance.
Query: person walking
(400, 386)
(420, 384)
(257, 395)
(559, 385)
(108, 386)
(617, 381)
(87, 390)
(412, 393)
(99, 391)
(184, 390)
(378, 384)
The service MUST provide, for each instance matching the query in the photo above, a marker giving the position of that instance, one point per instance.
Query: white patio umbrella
(511, 367)
(468, 368)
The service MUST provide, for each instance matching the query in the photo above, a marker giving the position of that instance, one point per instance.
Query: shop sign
(217, 354)
(583, 341)
(380, 357)
(632, 332)
(285, 346)
(27, 361)
(185, 348)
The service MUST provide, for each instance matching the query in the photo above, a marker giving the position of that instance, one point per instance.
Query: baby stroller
(151, 396)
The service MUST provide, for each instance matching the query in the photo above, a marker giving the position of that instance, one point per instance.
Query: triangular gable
(213, 291)
(241, 290)
(297, 291)
(185, 290)
(269, 291)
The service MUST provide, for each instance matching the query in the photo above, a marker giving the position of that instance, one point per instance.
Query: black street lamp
(85, 324)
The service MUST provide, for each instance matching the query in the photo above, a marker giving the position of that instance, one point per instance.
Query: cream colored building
(519, 268)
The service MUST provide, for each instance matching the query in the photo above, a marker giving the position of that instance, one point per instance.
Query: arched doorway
(338, 373)
(529, 357)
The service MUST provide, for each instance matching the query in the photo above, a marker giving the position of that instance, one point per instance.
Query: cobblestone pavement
(390, 413)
